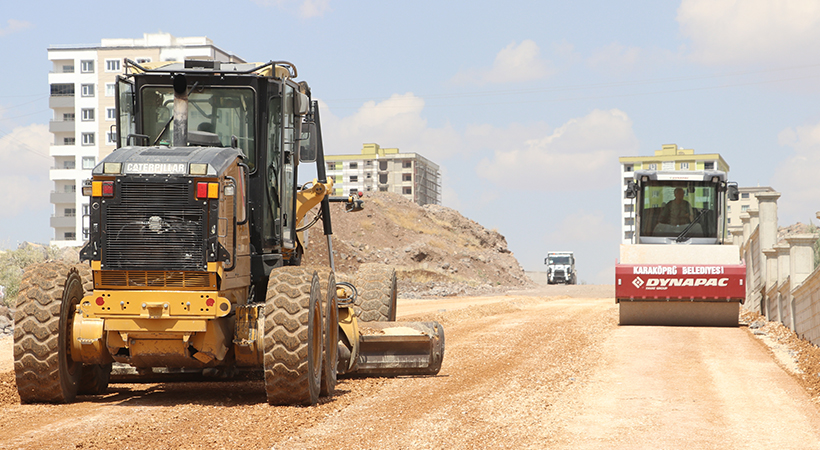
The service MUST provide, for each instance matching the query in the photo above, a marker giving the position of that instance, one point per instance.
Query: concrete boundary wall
(781, 281)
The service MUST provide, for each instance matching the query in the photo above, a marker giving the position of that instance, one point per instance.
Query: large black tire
(330, 316)
(94, 379)
(293, 337)
(330, 331)
(44, 370)
(376, 287)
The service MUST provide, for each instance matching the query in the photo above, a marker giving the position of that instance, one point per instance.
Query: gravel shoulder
(520, 371)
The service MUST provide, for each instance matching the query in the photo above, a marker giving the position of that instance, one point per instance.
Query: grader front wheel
(293, 337)
(43, 322)
(376, 286)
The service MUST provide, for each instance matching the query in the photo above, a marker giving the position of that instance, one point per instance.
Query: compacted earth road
(548, 368)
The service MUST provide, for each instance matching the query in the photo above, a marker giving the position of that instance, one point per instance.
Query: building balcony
(63, 221)
(61, 101)
(61, 126)
(63, 197)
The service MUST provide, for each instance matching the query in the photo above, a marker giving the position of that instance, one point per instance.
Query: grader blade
(400, 348)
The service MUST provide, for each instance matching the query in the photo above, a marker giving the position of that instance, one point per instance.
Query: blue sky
(526, 105)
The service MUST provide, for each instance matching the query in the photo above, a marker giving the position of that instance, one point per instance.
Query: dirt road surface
(539, 369)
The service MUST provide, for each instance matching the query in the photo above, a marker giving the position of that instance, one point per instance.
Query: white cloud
(306, 8)
(395, 122)
(13, 26)
(751, 31)
(514, 63)
(314, 8)
(796, 177)
(575, 156)
(24, 183)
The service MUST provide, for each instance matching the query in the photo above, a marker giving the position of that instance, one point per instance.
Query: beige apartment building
(387, 170)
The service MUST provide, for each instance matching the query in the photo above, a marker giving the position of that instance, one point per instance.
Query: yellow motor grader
(196, 235)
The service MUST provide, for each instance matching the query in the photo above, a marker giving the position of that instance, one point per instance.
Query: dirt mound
(796, 228)
(435, 250)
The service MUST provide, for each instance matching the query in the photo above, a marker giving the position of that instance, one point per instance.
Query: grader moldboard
(678, 271)
(196, 237)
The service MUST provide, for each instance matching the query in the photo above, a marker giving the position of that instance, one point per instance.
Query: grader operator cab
(677, 271)
(195, 244)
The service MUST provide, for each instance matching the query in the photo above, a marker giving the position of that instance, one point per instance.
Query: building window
(407, 190)
(143, 60)
(87, 66)
(68, 141)
(88, 162)
(744, 208)
(109, 89)
(354, 165)
(628, 235)
(68, 117)
(331, 166)
(383, 178)
(368, 175)
(368, 163)
(68, 69)
(382, 188)
(628, 168)
(69, 164)
(354, 179)
(70, 235)
(111, 138)
(112, 65)
(729, 220)
(406, 164)
(87, 90)
(653, 167)
(629, 208)
(87, 114)
(382, 165)
(70, 188)
(684, 166)
(407, 177)
(668, 165)
(354, 191)
(110, 113)
(709, 165)
(728, 208)
(744, 195)
(88, 138)
(62, 89)
(69, 212)
(629, 221)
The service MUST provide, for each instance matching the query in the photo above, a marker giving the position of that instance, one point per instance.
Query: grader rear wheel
(376, 286)
(293, 337)
(43, 322)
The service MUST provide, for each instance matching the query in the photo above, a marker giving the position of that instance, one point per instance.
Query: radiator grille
(154, 226)
(154, 279)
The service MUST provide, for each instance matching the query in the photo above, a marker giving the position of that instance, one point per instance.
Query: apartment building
(747, 200)
(82, 84)
(669, 157)
(387, 170)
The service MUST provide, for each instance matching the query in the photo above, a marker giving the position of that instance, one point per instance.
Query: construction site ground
(542, 368)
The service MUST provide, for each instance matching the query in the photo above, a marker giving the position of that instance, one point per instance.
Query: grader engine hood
(155, 208)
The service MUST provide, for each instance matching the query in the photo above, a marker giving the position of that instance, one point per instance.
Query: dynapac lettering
(164, 168)
(655, 270)
(669, 282)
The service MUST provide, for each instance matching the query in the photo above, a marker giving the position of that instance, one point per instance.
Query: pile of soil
(435, 250)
